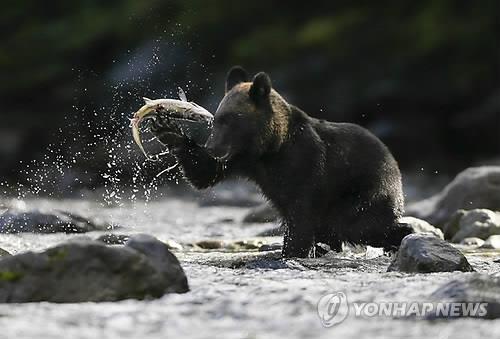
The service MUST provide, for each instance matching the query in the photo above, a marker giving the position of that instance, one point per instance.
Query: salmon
(175, 109)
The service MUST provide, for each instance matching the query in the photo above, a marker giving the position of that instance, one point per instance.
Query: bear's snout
(216, 148)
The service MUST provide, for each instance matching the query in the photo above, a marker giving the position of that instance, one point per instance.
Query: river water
(233, 294)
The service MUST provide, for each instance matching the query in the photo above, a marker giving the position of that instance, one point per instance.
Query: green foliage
(43, 42)
(46, 40)
(430, 59)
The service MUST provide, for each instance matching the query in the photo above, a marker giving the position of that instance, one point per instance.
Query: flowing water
(246, 294)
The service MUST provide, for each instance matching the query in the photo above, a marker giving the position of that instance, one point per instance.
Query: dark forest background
(422, 75)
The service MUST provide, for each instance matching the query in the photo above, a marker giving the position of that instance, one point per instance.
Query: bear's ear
(236, 75)
(261, 87)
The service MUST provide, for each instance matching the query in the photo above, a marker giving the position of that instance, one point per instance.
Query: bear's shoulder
(339, 131)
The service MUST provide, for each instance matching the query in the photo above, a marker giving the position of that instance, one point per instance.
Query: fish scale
(176, 109)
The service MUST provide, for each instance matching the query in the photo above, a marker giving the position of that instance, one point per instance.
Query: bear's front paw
(167, 132)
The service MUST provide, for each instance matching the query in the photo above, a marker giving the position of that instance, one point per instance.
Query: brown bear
(330, 182)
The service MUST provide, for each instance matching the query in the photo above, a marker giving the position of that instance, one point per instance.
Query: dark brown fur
(331, 182)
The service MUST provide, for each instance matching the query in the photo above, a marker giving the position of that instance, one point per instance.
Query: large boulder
(475, 187)
(425, 253)
(421, 226)
(473, 288)
(477, 223)
(18, 221)
(91, 271)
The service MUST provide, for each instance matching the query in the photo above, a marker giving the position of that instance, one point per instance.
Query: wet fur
(330, 182)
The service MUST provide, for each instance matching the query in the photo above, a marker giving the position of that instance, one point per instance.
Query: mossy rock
(91, 271)
(10, 276)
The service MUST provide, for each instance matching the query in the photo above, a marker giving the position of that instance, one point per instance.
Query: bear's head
(251, 120)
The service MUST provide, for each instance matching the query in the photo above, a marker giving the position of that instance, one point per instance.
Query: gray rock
(478, 223)
(424, 253)
(421, 226)
(210, 244)
(493, 242)
(472, 242)
(91, 271)
(243, 245)
(3, 253)
(473, 288)
(171, 273)
(14, 221)
(261, 214)
(270, 247)
(475, 187)
(451, 227)
(173, 245)
(113, 239)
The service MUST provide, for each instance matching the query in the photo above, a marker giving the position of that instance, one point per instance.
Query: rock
(91, 271)
(475, 187)
(3, 253)
(226, 220)
(492, 242)
(472, 242)
(424, 253)
(120, 239)
(244, 245)
(113, 239)
(173, 245)
(210, 244)
(14, 221)
(321, 249)
(163, 260)
(270, 247)
(235, 246)
(421, 226)
(261, 214)
(478, 223)
(473, 288)
(451, 227)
